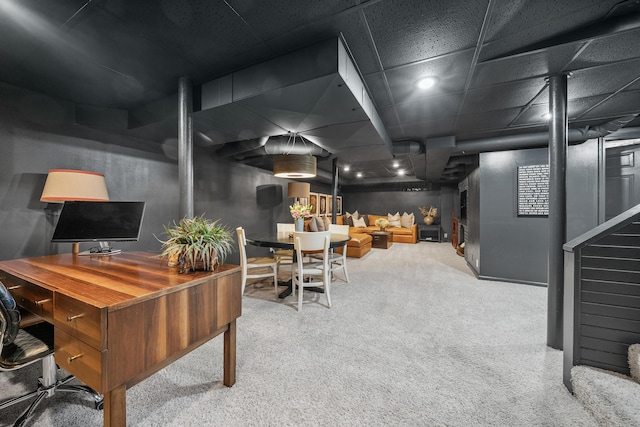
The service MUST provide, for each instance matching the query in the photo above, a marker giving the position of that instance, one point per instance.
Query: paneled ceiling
(490, 58)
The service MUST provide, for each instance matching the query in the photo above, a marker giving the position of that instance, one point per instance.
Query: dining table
(285, 241)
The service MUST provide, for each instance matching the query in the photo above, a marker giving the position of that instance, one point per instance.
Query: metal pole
(185, 146)
(558, 129)
(334, 190)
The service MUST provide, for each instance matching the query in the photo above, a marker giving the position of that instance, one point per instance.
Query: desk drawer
(79, 359)
(79, 320)
(31, 297)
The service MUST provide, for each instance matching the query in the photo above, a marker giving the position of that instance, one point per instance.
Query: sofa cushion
(394, 220)
(407, 220)
(319, 224)
(359, 223)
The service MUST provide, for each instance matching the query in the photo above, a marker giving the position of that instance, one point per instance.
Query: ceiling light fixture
(427, 82)
(359, 175)
(396, 165)
(546, 116)
(401, 172)
(294, 165)
(347, 168)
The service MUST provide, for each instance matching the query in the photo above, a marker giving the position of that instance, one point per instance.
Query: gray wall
(385, 202)
(515, 248)
(37, 134)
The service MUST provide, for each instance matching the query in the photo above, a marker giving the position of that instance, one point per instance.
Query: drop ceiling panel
(517, 24)
(508, 95)
(575, 108)
(340, 136)
(487, 119)
(450, 70)
(416, 30)
(421, 130)
(623, 103)
(519, 67)
(378, 89)
(618, 47)
(429, 109)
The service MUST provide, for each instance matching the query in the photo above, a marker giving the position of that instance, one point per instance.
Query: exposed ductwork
(268, 146)
(514, 142)
(403, 148)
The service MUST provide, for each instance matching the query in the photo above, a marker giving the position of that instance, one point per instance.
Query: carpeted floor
(414, 339)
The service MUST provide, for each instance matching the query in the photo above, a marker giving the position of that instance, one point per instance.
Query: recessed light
(401, 172)
(546, 116)
(346, 168)
(396, 164)
(427, 82)
(359, 174)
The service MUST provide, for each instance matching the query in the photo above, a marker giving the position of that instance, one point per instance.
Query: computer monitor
(100, 222)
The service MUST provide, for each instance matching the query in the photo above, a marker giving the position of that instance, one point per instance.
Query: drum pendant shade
(294, 166)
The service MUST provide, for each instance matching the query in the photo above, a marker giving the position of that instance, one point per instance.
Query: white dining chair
(284, 229)
(339, 261)
(255, 267)
(304, 273)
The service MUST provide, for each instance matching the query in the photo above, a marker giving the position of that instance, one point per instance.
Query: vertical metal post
(185, 146)
(558, 129)
(334, 190)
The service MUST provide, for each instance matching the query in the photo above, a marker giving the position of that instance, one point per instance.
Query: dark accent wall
(515, 248)
(38, 133)
(385, 202)
(622, 179)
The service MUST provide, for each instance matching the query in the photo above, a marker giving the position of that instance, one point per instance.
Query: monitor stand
(103, 249)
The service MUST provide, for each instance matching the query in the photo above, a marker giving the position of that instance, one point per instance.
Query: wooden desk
(118, 319)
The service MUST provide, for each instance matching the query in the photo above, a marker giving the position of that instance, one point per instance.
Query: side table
(432, 233)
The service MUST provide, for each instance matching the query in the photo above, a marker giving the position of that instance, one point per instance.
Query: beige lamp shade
(299, 190)
(294, 166)
(69, 184)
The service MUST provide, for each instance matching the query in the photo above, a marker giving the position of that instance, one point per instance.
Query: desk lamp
(77, 185)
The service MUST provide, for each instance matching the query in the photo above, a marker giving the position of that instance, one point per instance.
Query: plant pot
(428, 220)
(299, 222)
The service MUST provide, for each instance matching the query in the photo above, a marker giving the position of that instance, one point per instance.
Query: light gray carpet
(414, 339)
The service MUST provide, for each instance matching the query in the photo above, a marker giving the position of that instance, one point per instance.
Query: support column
(334, 190)
(558, 129)
(185, 146)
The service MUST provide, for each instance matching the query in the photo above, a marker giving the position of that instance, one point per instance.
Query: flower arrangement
(431, 211)
(300, 211)
(382, 223)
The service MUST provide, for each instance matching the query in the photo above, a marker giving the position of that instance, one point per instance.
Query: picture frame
(313, 202)
(322, 204)
(338, 205)
(329, 205)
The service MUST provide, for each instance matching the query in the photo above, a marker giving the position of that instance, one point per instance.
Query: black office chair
(20, 347)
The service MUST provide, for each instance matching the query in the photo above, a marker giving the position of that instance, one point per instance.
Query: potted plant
(196, 243)
(429, 214)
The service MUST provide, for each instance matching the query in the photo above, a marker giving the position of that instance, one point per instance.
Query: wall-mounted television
(99, 222)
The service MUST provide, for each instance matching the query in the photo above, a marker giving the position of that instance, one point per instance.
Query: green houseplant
(196, 243)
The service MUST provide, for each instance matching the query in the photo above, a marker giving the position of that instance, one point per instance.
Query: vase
(299, 222)
(428, 220)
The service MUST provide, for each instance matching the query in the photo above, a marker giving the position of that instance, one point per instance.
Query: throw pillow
(407, 220)
(318, 224)
(394, 220)
(359, 223)
(366, 219)
(355, 215)
(327, 222)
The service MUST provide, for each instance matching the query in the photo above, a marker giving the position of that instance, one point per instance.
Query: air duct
(532, 140)
(403, 148)
(273, 145)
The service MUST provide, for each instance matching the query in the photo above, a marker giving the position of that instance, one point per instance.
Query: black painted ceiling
(491, 59)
